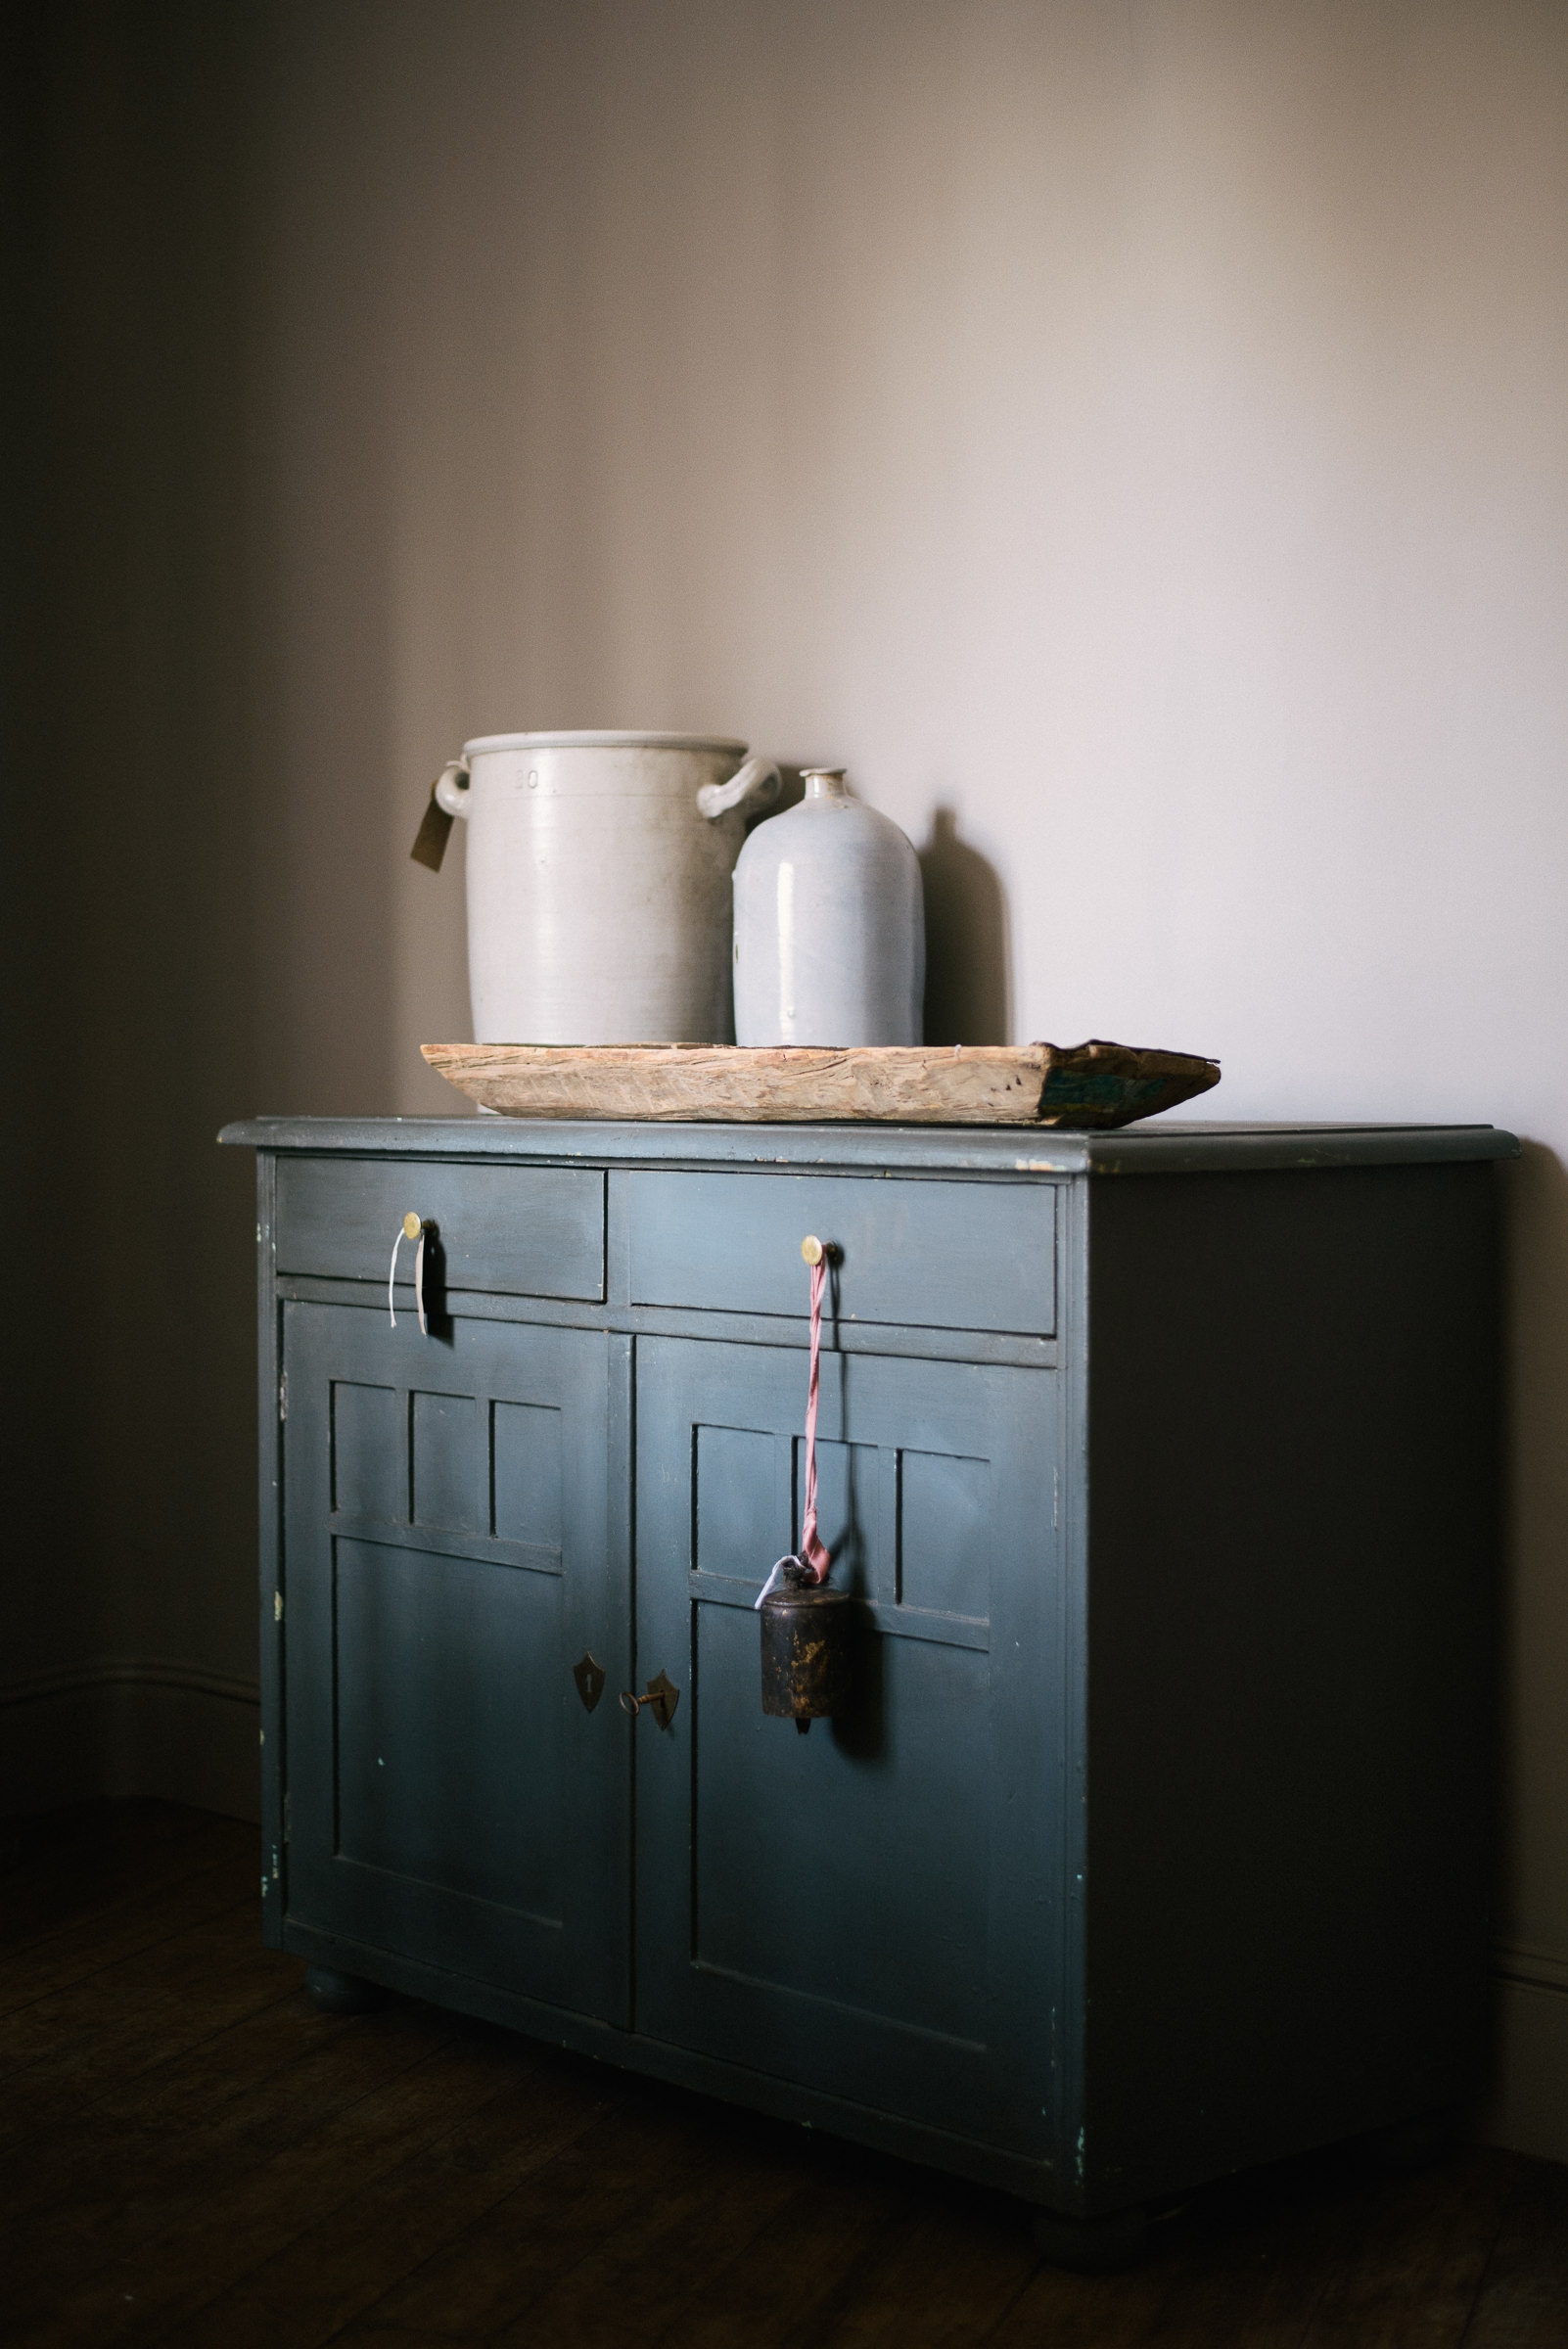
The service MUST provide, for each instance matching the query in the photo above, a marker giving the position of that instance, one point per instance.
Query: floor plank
(413, 2087)
(146, 2161)
(843, 2267)
(66, 2052)
(588, 2238)
(84, 1861)
(947, 2269)
(73, 1952)
(1410, 2272)
(196, 2156)
(1320, 2251)
(208, 1932)
(1523, 2299)
(310, 2292)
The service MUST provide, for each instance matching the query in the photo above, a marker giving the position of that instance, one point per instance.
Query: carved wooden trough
(1096, 1085)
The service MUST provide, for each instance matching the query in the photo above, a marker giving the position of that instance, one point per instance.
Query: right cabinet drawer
(925, 1255)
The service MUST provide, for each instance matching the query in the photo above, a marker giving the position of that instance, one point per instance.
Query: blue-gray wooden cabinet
(1163, 1465)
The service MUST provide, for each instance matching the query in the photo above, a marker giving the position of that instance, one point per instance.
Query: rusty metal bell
(808, 1634)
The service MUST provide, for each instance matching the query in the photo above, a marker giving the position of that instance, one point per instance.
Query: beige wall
(135, 938)
(1134, 438)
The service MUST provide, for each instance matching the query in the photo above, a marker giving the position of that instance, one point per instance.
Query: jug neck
(824, 783)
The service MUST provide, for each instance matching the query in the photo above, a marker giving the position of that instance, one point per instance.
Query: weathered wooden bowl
(1090, 1085)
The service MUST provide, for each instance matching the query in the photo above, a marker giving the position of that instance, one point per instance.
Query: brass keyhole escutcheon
(588, 1673)
(661, 1699)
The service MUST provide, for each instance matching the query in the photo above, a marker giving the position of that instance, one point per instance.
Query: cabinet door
(451, 1552)
(871, 1909)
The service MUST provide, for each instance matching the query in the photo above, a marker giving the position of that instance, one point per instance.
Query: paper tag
(429, 842)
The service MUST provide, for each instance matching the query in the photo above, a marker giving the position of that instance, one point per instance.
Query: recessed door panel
(740, 1497)
(871, 1909)
(525, 1472)
(447, 1484)
(891, 1843)
(452, 1550)
(439, 1662)
(366, 1458)
(945, 1508)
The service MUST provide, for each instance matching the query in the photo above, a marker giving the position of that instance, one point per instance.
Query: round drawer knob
(411, 1226)
(812, 1249)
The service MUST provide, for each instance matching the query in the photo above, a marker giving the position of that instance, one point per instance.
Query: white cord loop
(412, 1227)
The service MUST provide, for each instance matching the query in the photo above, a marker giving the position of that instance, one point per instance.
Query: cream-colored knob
(813, 1250)
(411, 1226)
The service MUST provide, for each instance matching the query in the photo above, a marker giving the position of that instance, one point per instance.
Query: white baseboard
(130, 1725)
(1529, 2108)
(1531, 1967)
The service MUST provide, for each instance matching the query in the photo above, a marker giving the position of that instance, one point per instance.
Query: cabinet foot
(1093, 2247)
(341, 1994)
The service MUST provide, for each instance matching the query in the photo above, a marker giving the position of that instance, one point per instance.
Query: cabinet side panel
(269, 1484)
(1292, 1543)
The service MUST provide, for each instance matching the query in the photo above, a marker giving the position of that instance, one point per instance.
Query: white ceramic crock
(598, 883)
(830, 928)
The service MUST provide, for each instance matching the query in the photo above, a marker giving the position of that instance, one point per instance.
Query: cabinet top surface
(1160, 1147)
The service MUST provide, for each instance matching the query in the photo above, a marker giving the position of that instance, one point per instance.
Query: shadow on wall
(177, 954)
(968, 945)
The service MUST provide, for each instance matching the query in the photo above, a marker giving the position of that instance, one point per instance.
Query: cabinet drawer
(527, 1231)
(928, 1254)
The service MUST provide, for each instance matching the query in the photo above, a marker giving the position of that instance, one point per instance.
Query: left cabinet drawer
(523, 1231)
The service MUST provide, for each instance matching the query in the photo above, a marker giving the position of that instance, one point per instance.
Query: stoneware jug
(598, 883)
(830, 930)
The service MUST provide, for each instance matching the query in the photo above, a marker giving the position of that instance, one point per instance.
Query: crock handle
(755, 786)
(449, 797)
(452, 792)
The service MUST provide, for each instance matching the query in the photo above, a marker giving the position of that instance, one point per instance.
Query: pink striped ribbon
(813, 1553)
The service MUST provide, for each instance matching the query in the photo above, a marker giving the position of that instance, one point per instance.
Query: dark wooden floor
(192, 2153)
